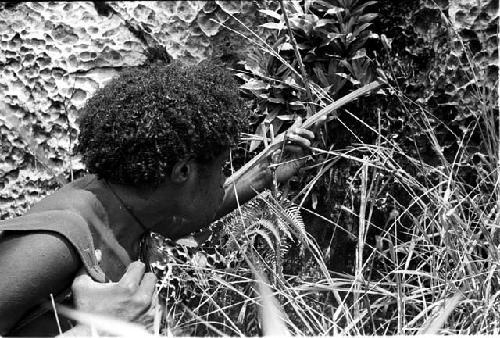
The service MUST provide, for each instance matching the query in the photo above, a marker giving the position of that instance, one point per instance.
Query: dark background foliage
(438, 57)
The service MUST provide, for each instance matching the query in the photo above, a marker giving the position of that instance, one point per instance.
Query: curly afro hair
(140, 124)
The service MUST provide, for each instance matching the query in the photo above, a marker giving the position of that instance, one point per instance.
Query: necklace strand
(129, 210)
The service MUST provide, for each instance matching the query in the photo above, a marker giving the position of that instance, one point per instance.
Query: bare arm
(251, 183)
(32, 266)
(259, 177)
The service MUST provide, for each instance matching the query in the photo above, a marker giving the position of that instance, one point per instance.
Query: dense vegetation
(391, 228)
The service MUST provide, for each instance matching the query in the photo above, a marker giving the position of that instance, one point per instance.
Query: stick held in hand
(278, 140)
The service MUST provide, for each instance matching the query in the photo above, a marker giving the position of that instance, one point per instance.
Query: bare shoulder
(32, 265)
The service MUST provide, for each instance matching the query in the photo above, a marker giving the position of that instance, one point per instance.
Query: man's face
(193, 204)
(210, 189)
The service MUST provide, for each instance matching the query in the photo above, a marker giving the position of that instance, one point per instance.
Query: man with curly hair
(155, 141)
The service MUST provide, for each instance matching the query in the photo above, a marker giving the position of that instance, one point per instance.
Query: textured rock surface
(462, 78)
(55, 55)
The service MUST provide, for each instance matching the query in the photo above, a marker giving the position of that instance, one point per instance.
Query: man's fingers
(299, 140)
(147, 287)
(303, 132)
(322, 120)
(82, 280)
(294, 149)
(133, 276)
(83, 284)
(297, 123)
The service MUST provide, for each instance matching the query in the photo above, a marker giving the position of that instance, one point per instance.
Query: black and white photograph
(249, 168)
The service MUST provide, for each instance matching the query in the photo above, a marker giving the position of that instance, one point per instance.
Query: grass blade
(270, 311)
(435, 324)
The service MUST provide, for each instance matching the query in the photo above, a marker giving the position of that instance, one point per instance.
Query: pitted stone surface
(55, 55)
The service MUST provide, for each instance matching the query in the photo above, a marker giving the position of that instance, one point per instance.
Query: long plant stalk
(279, 139)
(361, 241)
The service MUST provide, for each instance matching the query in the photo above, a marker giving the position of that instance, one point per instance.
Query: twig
(307, 124)
(53, 303)
(299, 59)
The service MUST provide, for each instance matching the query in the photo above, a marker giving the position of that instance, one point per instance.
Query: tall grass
(433, 267)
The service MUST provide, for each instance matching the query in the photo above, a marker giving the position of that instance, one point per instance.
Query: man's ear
(182, 171)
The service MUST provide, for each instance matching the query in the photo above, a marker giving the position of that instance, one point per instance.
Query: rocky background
(54, 55)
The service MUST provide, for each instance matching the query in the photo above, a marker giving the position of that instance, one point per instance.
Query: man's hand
(130, 299)
(259, 177)
(297, 140)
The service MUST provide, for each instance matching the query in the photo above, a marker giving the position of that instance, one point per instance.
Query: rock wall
(54, 55)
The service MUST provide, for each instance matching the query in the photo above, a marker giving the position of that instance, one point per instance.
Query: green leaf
(332, 68)
(302, 24)
(358, 43)
(361, 53)
(337, 46)
(328, 4)
(271, 13)
(357, 70)
(286, 46)
(280, 86)
(350, 24)
(349, 78)
(367, 17)
(346, 64)
(290, 117)
(335, 10)
(271, 115)
(273, 25)
(303, 46)
(281, 70)
(277, 123)
(336, 35)
(276, 100)
(309, 58)
(243, 76)
(360, 29)
(324, 22)
(290, 81)
(297, 105)
(358, 10)
(386, 41)
(338, 85)
(255, 85)
(320, 74)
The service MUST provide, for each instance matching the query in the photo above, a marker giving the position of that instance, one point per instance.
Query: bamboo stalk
(279, 139)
